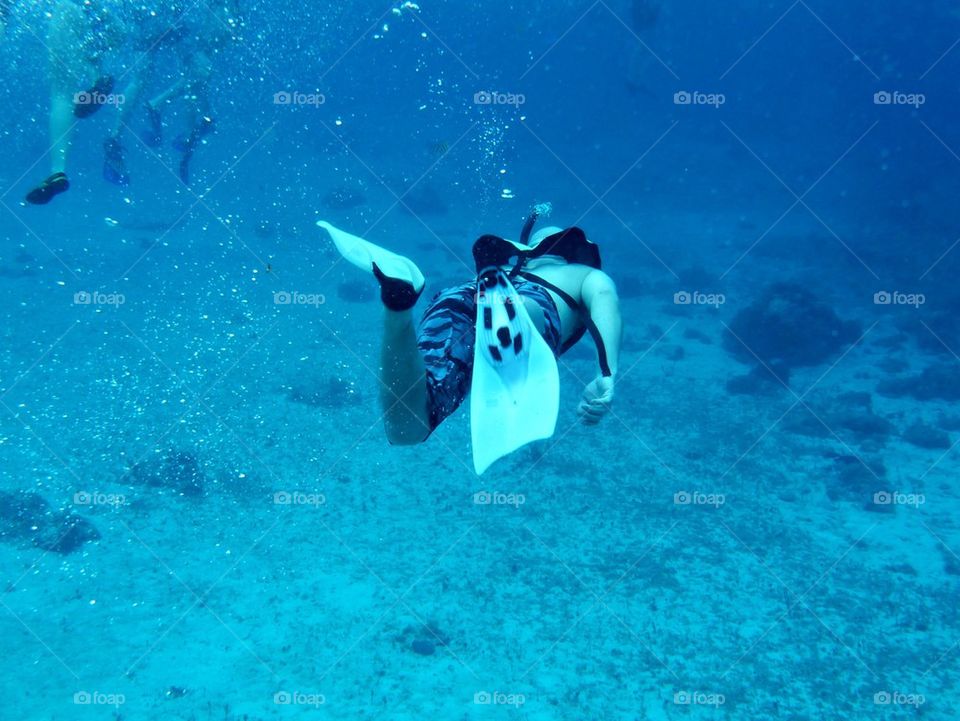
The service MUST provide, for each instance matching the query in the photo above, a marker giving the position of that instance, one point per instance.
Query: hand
(596, 400)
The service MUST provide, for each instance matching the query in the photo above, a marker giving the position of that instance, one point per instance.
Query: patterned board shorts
(446, 340)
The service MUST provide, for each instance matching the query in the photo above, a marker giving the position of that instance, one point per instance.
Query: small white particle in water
(503, 171)
(93, 602)
(338, 121)
(60, 282)
(423, 35)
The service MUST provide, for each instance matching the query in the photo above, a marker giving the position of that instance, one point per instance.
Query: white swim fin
(363, 254)
(515, 392)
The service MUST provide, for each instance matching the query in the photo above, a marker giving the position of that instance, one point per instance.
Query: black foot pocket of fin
(48, 189)
(396, 294)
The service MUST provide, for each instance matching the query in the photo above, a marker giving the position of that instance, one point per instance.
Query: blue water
(200, 515)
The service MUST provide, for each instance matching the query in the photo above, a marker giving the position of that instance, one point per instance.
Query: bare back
(569, 278)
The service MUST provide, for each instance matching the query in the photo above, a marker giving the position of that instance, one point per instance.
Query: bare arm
(600, 298)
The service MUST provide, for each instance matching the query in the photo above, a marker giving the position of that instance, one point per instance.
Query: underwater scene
(549, 360)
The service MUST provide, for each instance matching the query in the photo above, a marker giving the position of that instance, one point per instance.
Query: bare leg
(131, 96)
(403, 389)
(70, 70)
(163, 97)
(72, 67)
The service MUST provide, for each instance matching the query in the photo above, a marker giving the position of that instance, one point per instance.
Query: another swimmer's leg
(64, 80)
(403, 381)
(61, 130)
(165, 96)
(154, 134)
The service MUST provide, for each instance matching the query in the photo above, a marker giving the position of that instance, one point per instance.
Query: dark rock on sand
(850, 415)
(26, 519)
(423, 639)
(936, 382)
(892, 365)
(856, 478)
(923, 436)
(761, 381)
(790, 327)
(177, 471)
(423, 647)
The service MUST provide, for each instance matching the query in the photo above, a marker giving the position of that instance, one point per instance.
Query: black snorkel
(528, 225)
